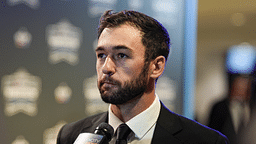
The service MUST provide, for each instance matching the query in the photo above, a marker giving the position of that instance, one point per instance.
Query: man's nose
(109, 66)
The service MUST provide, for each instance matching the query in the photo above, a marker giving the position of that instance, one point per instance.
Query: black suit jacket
(170, 129)
(221, 120)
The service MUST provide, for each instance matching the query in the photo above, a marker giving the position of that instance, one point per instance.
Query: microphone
(102, 135)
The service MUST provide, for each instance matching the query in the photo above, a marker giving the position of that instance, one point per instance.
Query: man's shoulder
(69, 132)
(187, 130)
(86, 122)
(194, 131)
(196, 126)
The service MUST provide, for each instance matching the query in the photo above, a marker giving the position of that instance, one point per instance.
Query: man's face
(122, 74)
(241, 89)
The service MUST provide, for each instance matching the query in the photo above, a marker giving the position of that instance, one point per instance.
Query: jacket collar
(167, 126)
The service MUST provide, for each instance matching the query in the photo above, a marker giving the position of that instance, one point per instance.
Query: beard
(130, 90)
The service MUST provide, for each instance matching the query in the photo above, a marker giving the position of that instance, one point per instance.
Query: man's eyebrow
(99, 49)
(118, 47)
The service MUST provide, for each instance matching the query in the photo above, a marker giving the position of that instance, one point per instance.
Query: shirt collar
(113, 120)
(141, 123)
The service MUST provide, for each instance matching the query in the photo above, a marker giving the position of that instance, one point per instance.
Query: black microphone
(102, 135)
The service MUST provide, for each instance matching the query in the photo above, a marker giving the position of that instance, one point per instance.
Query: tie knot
(122, 133)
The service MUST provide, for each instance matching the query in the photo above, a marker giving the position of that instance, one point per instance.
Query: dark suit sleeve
(59, 136)
(218, 115)
(69, 132)
(222, 140)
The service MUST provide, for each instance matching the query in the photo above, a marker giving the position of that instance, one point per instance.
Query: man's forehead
(124, 37)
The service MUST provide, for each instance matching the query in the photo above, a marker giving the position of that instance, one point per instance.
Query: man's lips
(106, 86)
(108, 80)
(108, 83)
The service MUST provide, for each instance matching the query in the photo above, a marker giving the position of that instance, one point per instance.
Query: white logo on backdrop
(34, 4)
(22, 38)
(97, 7)
(20, 140)
(166, 90)
(63, 93)
(51, 134)
(21, 91)
(94, 103)
(64, 41)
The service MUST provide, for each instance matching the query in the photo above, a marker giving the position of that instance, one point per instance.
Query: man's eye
(122, 55)
(101, 56)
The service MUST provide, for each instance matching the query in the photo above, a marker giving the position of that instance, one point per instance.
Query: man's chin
(107, 99)
(106, 96)
(111, 99)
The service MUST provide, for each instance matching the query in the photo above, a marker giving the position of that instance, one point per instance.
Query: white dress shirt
(239, 112)
(142, 125)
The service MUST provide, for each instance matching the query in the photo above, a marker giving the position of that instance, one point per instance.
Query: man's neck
(127, 111)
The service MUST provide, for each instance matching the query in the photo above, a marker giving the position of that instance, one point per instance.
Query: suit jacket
(221, 120)
(170, 129)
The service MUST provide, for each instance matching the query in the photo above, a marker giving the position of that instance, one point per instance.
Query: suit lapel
(168, 124)
(90, 126)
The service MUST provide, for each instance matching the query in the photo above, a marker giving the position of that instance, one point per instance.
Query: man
(131, 55)
(232, 114)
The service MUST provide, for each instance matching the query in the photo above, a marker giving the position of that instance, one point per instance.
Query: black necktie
(122, 133)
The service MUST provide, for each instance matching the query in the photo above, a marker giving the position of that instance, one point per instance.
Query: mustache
(109, 80)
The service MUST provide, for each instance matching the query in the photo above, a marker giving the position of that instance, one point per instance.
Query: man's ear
(157, 67)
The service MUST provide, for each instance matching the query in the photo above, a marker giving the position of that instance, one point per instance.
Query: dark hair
(154, 36)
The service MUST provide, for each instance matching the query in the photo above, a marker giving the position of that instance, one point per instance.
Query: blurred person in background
(248, 135)
(232, 114)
